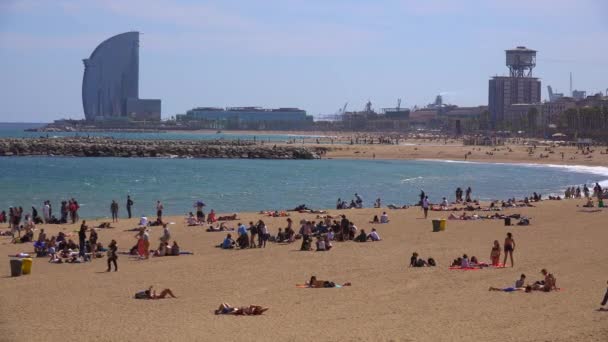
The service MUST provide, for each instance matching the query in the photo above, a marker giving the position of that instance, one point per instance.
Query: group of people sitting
(199, 220)
(383, 218)
(415, 261)
(164, 249)
(547, 284)
(465, 262)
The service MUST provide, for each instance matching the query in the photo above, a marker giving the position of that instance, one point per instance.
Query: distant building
(517, 88)
(248, 117)
(554, 96)
(579, 95)
(110, 85)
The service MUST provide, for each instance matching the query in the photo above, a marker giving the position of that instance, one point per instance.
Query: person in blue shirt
(228, 242)
(242, 229)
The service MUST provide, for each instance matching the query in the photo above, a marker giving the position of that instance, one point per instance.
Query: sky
(312, 54)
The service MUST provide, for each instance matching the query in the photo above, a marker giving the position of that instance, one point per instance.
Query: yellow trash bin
(26, 268)
(442, 224)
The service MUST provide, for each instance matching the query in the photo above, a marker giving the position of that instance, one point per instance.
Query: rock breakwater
(111, 147)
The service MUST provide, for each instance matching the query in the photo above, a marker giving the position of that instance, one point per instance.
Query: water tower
(521, 61)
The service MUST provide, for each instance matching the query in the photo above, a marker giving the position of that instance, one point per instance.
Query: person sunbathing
(151, 294)
(251, 310)
(227, 218)
(519, 285)
(317, 284)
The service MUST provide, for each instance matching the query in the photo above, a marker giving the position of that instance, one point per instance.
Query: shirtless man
(509, 247)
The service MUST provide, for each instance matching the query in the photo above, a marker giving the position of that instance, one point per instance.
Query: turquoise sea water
(16, 130)
(229, 185)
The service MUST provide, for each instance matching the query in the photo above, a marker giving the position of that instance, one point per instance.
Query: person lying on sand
(228, 217)
(104, 225)
(314, 283)
(251, 310)
(519, 285)
(392, 206)
(151, 294)
(221, 228)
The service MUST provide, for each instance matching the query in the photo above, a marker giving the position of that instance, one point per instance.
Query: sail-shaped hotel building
(110, 85)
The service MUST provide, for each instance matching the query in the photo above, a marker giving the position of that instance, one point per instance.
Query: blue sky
(312, 54)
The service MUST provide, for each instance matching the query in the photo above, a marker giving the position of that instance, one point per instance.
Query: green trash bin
(16, 265)
(436, 225)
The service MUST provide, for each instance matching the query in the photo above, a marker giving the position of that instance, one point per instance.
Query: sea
(17, 130)
(232, 185)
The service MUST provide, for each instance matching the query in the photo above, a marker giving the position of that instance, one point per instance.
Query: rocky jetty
(110, 147)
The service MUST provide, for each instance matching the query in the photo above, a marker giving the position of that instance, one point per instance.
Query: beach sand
(516, 153)
(387, 300)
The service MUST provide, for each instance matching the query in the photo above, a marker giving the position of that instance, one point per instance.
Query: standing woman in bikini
(509, 248)
(495, 254)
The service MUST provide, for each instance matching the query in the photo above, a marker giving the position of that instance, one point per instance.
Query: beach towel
(141, 250)
(305, 286)
(464, 268)
(19, 255)
(186, 253)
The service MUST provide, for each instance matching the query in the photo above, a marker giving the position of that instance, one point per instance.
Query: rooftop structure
(521, 61)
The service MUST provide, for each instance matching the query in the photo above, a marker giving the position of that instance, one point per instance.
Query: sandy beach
(512, 153)
(387, 300)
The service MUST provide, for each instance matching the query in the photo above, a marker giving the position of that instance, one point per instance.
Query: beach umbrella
(199, 204)
(556, 135)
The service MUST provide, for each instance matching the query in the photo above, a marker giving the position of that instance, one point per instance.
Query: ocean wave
(584, 169)
(406, 180)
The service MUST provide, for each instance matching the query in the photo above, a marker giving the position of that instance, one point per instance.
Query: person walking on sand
(112, 255)
(425, 206)
(468, 195)
(129, 205)
(509, 247)
(114, 210)
(82, 236)
(159, 210)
